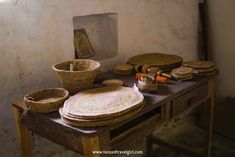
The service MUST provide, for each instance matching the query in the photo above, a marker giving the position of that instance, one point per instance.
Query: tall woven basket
(80, 77)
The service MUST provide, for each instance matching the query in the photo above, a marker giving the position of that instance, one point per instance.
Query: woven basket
(47, 100)
(81, 77)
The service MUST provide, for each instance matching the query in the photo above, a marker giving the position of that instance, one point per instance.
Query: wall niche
(95, 36)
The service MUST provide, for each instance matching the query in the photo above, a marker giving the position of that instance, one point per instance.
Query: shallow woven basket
(82, 76)
(47, 100)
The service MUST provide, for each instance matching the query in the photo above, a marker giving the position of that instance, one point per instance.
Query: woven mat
(182, 71)
(199, 64)
(156, 59)
(103, 102)
(98, 122)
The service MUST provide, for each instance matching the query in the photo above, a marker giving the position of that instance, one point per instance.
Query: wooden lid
(156, 59)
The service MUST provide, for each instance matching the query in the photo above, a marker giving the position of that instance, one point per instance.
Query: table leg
(209, 127)
(149, 148)
(95, 145)
(23, 134)
(210, 117)
(166, 111)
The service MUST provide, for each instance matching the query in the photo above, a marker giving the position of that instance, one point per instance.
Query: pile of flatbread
(201, 68)
(102, 106)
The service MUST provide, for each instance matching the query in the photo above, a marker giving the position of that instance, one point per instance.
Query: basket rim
(67, 71)
(46, 89)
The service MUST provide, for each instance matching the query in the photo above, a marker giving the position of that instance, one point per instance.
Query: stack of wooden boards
(102, 106)
(201, 68)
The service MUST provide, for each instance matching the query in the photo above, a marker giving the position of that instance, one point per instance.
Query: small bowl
(147, 86)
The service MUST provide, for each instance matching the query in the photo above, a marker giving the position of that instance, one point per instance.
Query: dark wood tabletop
(165, 93)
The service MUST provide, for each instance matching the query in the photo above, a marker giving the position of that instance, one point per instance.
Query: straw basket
(47, 100)
(80, 76)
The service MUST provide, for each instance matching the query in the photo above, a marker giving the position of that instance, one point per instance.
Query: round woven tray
(98, 122)
(123, 69)
(47, 100)
(205, 74)
(208, 70)
(113, 82)
(182, 71)
(80, 77)
(199, 64)
(163, 61)
(103, 102)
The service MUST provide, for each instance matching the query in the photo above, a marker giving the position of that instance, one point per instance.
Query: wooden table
(169, 101)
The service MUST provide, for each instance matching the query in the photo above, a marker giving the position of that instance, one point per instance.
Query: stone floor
(188, 134)
(183, 131)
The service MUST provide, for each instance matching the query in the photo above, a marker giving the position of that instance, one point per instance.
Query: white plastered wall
(34, 34)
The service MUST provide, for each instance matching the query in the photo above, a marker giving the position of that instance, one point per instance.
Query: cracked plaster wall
(36, 34)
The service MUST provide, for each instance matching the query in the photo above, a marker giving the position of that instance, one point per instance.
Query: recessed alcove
(95, 36)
